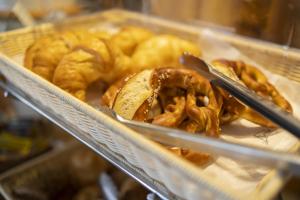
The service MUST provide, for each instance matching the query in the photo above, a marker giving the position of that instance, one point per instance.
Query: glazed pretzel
(181, 98)
(255, 80)
(183, 95)
(109, 96)
(173, 114)
(196, 87)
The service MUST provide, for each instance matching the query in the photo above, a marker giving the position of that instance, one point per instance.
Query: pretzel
(111, 93)
(190, 125)
(196, 87)
(173, 113)
(180, 97)
(255, 80)
(180, 93)
(200, 159)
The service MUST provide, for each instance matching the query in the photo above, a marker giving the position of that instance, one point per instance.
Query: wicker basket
(179, 176)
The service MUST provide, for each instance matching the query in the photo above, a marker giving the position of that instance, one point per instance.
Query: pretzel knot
(255, 80)
(180, 98)
(186, 98)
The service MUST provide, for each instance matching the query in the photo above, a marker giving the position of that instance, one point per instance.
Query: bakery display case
(95, 74)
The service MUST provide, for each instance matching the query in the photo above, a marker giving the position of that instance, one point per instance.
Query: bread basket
(177, 177)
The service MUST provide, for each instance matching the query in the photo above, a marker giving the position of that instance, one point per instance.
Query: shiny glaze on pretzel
(197, 88)
(183, 95)
(255, 80)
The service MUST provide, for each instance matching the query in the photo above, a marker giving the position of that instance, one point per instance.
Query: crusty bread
(162, 51)
(129, 37)
(133, 94)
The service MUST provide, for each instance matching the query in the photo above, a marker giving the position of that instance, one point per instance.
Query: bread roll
(162, 51)
(129, 37)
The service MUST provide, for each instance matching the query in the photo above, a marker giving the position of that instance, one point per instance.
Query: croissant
(93, 59)
(43, 56)
(162, 50)
(128, 38)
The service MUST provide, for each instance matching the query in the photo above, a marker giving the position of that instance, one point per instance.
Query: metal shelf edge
(146, 181)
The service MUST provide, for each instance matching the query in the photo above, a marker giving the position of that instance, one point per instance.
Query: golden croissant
(92, 60)
(162, 51)
(43, 56)
(129, 37)
(73, 60)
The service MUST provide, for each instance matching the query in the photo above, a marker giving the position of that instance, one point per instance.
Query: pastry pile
(73, 60)
(146, 80)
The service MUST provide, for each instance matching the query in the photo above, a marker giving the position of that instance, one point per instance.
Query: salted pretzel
(174, 113)
(255, 80)
(189, 97)
(172, 97)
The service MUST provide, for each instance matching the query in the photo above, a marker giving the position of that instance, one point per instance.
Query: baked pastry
(184, 98)
(255, 80)
(162, 51)
(91, 60)
(172, 97)
(199, 159)
(129, 37)
(43, 56)
(73, 60)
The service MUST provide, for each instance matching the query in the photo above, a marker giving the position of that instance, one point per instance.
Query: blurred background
(276, 21)
(272, 20)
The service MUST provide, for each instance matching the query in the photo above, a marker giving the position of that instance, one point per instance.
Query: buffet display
(129, 62)
(144, 80)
